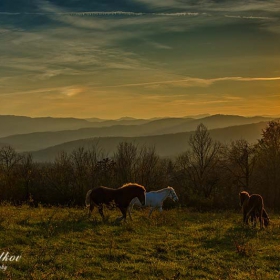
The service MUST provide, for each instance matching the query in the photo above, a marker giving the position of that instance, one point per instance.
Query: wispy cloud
(30, 92)
(72, 91)
(249, 17)
(67, 17)
(160, 46)
(68, 91)
(239, 5)
(192, 82)
(99, 20)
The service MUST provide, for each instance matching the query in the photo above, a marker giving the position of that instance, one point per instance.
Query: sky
(139, 58)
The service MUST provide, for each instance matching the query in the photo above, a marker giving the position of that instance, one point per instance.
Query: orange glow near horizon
(61, 63)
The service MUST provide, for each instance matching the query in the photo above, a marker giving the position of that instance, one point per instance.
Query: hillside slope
(13, 125)
(168, 145)
(42, 140)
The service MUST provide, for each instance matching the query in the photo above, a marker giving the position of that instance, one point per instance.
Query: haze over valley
(45, 138)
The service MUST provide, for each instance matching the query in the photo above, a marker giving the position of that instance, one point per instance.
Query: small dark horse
(252, 206)
(120, 197)
(255, 216)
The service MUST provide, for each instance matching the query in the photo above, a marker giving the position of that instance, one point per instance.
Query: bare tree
(59, 177)
(147, 161)
(240, 162)
(26, 173)
(100, 167)
(202, 160)
(126, 160)
(268, 161)
(9, 160)
(80, 161)
(105, 172)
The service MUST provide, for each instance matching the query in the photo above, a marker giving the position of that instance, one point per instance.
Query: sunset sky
(139, 58)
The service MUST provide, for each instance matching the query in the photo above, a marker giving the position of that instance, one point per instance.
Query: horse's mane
(103, 187)
(244, 196)
(244, 193)
(132, 184)
(161, 190)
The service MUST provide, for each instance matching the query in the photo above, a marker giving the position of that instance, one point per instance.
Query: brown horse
(252, 205)
(120, 198)
(255, 216)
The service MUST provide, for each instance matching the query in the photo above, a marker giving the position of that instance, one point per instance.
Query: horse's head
(173, 195)
(266, 222)
(243, 196)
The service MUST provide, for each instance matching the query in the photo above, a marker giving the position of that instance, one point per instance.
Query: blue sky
(142, 58)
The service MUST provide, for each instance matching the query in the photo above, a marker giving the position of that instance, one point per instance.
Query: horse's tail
(87, 201)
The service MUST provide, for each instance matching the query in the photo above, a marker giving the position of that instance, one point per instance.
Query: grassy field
(62, 243)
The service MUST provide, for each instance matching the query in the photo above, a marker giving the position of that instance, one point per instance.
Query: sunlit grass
(62, 243)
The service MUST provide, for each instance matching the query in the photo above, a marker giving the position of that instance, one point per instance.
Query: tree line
(209, 175)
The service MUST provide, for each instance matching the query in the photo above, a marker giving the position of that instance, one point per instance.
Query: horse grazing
(120, 198)
(154, 199)
(252, 206)
(255, 216)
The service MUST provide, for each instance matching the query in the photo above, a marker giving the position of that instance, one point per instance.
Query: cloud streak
(192, 82)
(54, 12)
(68, 91)
(251, 5)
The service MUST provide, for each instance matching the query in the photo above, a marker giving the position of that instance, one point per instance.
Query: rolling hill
(40, 140)
(168, 145)
(13, 125)
(10, 125)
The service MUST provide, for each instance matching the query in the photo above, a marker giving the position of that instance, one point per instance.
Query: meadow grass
(63, 243)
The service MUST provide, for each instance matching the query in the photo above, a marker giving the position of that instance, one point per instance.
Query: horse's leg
(254, 218)
(261, 218)
(90, 209)
(247, 218)
(100, 210)
(151, 211)
(123, 210)
(129, 210)
(249, 213)
(244, 216)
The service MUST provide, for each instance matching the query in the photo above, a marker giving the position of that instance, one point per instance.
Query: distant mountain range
(46, 137)
(168, 145)
(12, 125)
(120, 128)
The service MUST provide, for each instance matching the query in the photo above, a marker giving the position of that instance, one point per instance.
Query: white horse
(154, 200)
